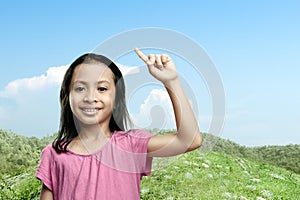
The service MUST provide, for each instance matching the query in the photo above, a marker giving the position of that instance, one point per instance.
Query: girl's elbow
(197, 142)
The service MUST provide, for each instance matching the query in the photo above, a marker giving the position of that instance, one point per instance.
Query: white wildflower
(251, 187)
(205, 165)
(229, 195)
(188, 175)
(246, 172)
(277, 176)
(144, 190)
(175, 167)
(210, 176)
(168, 177)
(255, 180)
(186, 162)
(207, 161)
(242, 164)
(266, 193)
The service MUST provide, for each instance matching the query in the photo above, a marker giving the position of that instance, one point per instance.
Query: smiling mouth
(90, 111)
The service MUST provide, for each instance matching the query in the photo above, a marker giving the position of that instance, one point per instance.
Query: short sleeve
(43, 172)
(128, 152)
(140, 140)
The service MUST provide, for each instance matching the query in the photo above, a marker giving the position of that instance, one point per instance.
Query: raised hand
(188, 135)
(160, 66)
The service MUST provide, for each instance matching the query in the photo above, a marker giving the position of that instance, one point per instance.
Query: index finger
(141, 55)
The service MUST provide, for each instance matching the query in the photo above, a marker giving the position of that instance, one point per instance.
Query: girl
(93, 156)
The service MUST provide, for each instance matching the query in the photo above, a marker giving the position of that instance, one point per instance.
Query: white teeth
(90, 110)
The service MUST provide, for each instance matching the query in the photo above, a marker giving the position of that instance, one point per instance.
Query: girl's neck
(90, 139)
(94, 132)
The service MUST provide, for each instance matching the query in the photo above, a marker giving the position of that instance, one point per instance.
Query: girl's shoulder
(48, 147)
(135, 140)
(49, 150)
(136, 133)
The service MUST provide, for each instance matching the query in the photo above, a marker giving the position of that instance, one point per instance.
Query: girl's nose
(91, 97)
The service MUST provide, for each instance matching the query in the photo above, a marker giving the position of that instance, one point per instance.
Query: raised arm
(188, 135)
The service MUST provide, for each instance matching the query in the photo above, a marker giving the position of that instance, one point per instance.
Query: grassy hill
(283, 156)
(229, 171)
(220, 176)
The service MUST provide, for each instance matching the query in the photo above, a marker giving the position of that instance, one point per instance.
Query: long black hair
(120, 118)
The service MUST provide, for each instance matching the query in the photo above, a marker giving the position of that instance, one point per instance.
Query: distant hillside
(18, 152)
(283, 156)
(287, 156)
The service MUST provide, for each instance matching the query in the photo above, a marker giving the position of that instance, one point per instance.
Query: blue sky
(254, 45)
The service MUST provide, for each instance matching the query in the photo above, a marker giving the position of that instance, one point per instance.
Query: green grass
(20, 187)
(220, 176)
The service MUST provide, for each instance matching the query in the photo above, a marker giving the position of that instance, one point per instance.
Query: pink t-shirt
(113, 172)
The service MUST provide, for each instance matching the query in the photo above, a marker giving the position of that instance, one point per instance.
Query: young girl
(94, 156)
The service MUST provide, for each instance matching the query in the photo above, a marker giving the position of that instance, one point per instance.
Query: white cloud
(155, 112)
(53, 76)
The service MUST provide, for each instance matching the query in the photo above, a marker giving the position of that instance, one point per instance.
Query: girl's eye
(79, 89)
(102, 89)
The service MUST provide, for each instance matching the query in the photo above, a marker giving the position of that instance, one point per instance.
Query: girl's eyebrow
(85, 82)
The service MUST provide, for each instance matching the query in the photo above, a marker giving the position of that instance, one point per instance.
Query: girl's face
(92, 93)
